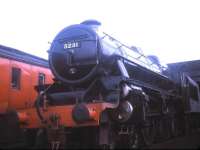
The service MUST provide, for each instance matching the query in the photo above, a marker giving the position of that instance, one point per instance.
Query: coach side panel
(23, 79)
(4, 84)
(17, 83)
(20, 85)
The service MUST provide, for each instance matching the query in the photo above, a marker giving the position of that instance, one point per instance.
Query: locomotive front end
(73, 55)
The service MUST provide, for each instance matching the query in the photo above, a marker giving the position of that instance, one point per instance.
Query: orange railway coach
(19, 74)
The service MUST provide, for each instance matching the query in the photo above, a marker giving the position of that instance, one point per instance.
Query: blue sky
(169, 29)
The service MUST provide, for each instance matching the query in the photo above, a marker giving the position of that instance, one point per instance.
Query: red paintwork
(24, 97)
(65, 115)
(23, 100)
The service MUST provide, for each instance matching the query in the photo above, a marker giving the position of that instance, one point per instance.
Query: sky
(169, 29)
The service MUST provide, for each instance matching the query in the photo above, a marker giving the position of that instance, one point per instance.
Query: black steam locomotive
(143, 103)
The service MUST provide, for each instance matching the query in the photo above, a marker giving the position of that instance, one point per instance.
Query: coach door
(20, 83)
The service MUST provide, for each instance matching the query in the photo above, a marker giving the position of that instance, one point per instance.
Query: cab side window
(16, 75)
(41, 79)
(193, 92)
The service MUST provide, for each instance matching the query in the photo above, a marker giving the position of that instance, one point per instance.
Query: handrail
(121, 45)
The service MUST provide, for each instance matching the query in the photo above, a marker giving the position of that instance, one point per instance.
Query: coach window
(41, 79)
(15, 82)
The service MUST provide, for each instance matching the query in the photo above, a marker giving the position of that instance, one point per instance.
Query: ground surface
(191, 141)
(187, 142)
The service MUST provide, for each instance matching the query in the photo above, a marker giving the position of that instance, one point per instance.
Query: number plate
(70, 45)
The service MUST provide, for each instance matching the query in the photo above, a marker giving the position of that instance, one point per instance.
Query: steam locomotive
(106, 94)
